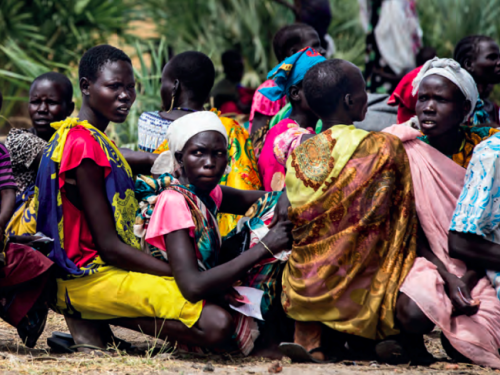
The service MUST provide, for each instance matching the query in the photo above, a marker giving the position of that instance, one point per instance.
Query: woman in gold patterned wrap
(353, 210)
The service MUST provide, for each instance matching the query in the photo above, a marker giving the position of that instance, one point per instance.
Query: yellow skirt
(114, 293)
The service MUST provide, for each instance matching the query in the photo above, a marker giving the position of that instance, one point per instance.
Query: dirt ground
(15, 358)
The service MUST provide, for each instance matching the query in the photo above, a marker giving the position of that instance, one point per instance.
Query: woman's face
(204, 160)
(486, 67)
(113, 92)
(441, 106)
(48, 104)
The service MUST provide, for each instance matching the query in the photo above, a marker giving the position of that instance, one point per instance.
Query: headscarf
(451, 70)
(180, 132)
(291, 72)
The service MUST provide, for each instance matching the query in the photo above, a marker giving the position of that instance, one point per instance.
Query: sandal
(391, 352)
(60, 345)
(297, 353)
(62, 341)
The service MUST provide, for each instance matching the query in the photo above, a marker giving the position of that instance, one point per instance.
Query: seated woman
(438, 87)
(86, 201)
(286, 42)
(51, 96)
(287, 134)
(186, 83)
(353, 212)
(480, 56)
(50, 101)
(24, 285)
(448, 292)
(180, 226)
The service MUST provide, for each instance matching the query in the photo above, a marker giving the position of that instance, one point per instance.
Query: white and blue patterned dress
(152, 131)
(478, 207)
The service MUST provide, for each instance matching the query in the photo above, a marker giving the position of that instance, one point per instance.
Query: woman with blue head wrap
(287, 134)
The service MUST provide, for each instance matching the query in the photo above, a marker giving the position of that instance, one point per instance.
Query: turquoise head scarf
(291, 72)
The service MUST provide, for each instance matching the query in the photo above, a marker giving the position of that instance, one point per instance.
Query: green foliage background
(42, 35)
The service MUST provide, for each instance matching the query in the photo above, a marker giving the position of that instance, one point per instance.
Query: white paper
(255, 297)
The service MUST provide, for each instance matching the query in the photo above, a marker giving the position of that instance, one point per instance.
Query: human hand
(459, 293)
(233, 297)
(281, 209)
(279, 238)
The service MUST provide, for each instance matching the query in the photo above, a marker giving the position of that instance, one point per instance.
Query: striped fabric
(6, 176)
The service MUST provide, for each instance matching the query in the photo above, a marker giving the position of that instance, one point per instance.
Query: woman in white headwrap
(444, 291)
(177, 223)
(446, 96)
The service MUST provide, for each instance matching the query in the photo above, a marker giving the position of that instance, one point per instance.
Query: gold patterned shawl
(355, 231)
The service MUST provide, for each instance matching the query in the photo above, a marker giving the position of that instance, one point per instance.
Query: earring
(171, 104)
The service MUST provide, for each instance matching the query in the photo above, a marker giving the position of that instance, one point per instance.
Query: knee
(410, 317)
(218, 327)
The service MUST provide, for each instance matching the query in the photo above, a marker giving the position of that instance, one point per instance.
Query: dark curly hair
(195, 71)
(324, 86)
(468, 48)
(288, 36)
(95, 58)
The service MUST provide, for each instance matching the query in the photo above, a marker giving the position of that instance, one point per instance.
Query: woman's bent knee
(411, 318)
(216, 324)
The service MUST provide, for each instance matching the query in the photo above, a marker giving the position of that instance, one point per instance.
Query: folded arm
(99, 216)
(474, 250)
(236, 201)
(196, 285)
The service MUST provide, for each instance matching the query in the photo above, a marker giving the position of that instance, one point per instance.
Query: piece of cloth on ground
(352, 204)
(438, 182)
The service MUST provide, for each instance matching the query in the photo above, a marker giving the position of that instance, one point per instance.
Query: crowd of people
(360, 242)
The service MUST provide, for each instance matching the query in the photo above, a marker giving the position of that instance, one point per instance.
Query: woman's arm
(140, 162)
(474, 250)
(8, 197)
(98, 213)
(236, 201)
(455, 287)
(259, 121)
(195, 285)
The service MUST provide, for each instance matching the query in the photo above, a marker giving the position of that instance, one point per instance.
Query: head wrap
(451, 70)
(291, 72)
(180, 132)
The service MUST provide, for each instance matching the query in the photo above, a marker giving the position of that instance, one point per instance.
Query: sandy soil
(16, 358)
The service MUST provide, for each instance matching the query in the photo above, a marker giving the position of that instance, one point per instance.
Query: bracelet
(268, 249)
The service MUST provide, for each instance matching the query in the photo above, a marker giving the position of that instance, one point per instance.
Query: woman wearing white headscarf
(177, 223)
(447, 95)
(449, 293)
